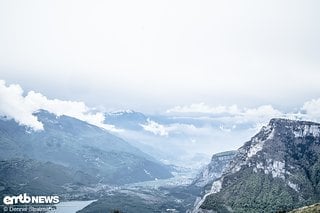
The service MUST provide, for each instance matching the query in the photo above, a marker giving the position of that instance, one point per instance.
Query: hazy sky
(153, 55)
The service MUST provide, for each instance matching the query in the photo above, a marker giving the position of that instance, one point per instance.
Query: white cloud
(183, 128)
(230, 117)
(223, 128)
(260, 114)
(155, 128)
(21, 108)
(312, 108)
(173, 128)
(13, 105)
(203, 108)
(230, 113)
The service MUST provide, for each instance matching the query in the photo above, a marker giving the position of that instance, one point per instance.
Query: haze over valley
(159, 106)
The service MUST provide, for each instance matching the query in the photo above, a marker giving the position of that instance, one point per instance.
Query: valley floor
(165, 195)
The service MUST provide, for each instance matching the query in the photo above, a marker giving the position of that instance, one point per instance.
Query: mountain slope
(76, 144)
(34, 177)
(277, 170)
(308, 209)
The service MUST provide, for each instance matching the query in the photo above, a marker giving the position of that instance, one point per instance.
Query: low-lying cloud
(14, 105)
(227, 117)
(261, 114)
(312, 109)
(155, 128)
(169, 129)
(225, 111)
(203, 108)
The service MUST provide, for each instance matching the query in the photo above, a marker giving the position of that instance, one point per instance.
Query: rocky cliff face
(214, 169)
(277, 170)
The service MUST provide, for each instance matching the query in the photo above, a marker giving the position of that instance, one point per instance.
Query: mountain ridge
(76, 144)
(278, 169)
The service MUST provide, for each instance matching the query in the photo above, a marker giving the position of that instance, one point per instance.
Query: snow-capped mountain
(277, 170)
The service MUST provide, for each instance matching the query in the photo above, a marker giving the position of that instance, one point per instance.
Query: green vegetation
(257, 193)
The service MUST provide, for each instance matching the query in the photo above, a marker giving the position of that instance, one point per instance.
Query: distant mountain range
(126, 119)
(277, 170)
(73, 147)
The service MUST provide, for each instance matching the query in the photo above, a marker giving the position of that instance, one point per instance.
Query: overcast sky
(154, 55)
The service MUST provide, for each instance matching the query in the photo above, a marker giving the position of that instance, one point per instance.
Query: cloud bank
(167, 130)
(312, 109)
(259, 116)
(203, 108)
(14, 105)
(228, 118)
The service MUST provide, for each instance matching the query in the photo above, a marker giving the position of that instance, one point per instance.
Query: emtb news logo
(25, 199)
